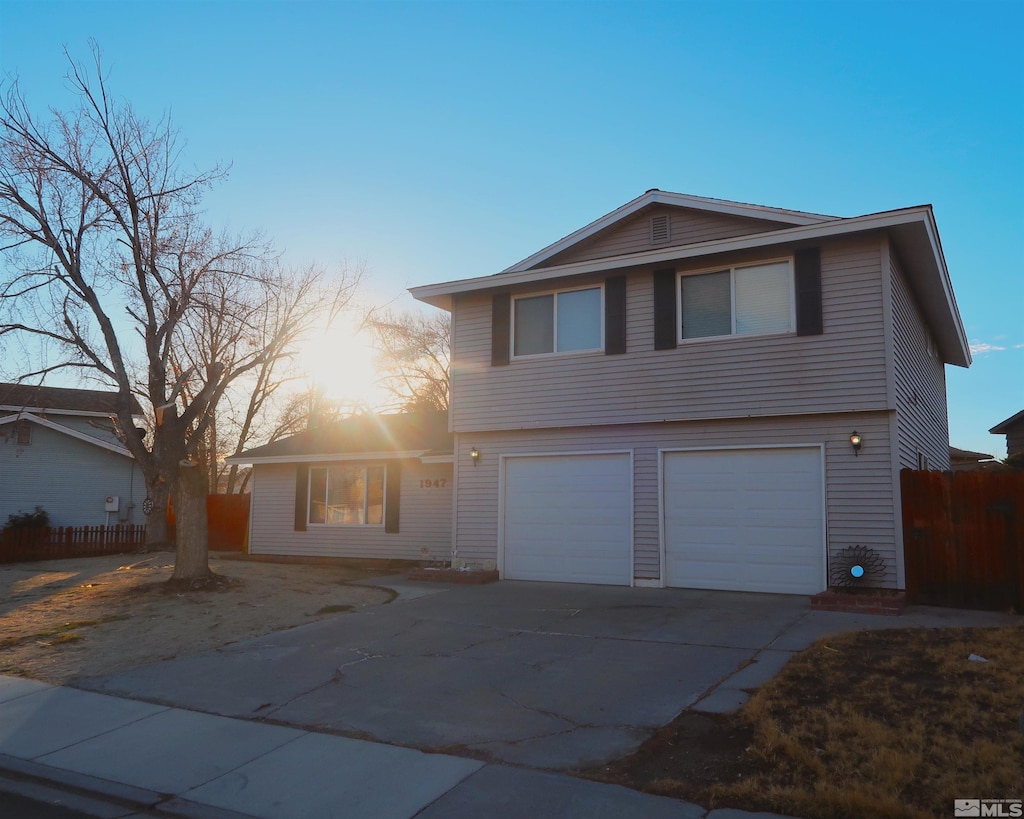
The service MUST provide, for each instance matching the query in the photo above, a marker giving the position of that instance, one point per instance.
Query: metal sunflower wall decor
(857, 566)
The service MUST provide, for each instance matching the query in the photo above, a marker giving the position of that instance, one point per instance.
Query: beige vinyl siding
(920, 381)
(1015, 440)
(425, 521)
(859, 489)
(687, 227)
(739, 376)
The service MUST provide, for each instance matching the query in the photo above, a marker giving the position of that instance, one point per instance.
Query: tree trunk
(191, 560)
(156, 520)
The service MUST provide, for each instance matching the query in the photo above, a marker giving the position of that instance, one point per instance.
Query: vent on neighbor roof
(659, 228)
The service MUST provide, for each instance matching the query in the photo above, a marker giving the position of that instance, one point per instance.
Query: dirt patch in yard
(63, 619)
(867, 725)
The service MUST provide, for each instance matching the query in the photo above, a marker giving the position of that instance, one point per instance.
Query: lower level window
(346, 495)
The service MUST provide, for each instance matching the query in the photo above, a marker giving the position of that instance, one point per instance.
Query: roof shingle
(27, 396)
(404, 432)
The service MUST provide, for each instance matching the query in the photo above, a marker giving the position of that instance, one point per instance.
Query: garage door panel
(750, 520)
(568, 519)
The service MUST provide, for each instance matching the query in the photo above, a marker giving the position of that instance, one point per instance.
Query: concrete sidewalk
(146, 759)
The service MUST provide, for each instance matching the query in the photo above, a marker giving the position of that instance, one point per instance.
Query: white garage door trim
(503, 488)
(662, 535)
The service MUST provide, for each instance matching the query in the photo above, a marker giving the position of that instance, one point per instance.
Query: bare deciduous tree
(106, 260)
(415, 356)
(295, 304)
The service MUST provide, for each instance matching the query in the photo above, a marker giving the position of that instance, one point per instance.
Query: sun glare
(341, 361)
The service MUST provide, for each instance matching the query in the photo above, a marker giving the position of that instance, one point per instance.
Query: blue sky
(431, 141)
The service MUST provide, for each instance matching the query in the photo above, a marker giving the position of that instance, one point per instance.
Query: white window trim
(366, 488)
(731, 270)
(512, 322)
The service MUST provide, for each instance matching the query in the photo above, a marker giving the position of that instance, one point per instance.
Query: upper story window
(559, 322)
(748, 300)
(348, 494)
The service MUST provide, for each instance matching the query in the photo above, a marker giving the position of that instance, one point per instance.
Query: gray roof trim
(49, 411)
(1004, 426)
(913, 230)
(682, 200)
(73, 433)
(437, 459)
(965, 454)
(326, 457)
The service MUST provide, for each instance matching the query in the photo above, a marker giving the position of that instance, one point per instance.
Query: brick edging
(836, 600)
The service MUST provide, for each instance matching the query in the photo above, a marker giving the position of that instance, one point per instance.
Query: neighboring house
(963, 460)
(1013, 429)
(667, 396)
(60, 449)
(373, 486)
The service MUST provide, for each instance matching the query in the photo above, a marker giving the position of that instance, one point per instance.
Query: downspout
(455, 499)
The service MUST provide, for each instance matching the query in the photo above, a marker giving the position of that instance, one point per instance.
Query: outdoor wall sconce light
(474, 453)
(855, 442)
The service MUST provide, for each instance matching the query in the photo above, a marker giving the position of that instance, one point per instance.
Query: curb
(99, 797)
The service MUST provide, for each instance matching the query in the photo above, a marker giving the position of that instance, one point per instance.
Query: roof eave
(1003, 426)
(53, 411)
(63, 430)
(655, 196)
(920, 237)
(325, 457)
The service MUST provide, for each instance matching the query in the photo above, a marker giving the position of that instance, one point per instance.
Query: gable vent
(660, 228)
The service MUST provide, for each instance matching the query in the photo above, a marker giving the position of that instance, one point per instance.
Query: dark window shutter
(665, 329)
(301, 496)
(393, 496)
(501, 305)
(807, 264)
(615, 315)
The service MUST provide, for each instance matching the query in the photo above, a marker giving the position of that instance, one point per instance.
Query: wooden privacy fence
(227, 521)
(53, 543)
(963, 538)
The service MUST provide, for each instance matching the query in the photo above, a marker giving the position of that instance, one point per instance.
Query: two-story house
(692, 392)
(60, 449)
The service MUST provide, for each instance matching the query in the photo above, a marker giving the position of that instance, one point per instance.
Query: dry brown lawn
(64, 619)
(894, 723)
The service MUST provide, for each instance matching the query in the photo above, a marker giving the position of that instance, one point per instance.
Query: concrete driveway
(545, 675)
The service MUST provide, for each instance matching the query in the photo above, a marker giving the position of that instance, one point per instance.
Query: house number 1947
(437, 483)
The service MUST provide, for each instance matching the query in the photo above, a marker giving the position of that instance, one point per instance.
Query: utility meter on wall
(112, 503)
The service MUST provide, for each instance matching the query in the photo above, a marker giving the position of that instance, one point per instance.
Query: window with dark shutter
(807, 280)
(301, 496)
(500, 329)
(615, 315)
(664, 309)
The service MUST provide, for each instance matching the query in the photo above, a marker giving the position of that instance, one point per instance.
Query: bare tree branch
(415, 356)
(105, 263)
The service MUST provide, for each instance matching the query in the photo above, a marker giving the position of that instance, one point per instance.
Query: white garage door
(746, 519)
(568, 518)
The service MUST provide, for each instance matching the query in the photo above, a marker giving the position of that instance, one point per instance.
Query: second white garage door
(745, 519)
(568, 518)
